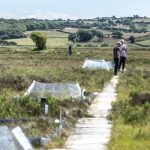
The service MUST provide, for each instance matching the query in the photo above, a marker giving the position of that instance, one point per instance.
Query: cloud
(8, 15)
(37, 14)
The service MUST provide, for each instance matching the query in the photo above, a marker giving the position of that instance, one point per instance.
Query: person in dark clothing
(70, 50)
(116, 55)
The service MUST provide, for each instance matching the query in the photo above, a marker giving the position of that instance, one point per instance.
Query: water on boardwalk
(93, 133)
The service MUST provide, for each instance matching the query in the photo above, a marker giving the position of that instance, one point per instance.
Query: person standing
(123, 55)
(116, 55)
(70, 50)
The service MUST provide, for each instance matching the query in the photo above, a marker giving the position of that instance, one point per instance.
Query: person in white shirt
(123, 55)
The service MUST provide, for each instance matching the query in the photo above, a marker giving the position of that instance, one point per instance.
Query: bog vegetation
(20, 65)
(131, 113)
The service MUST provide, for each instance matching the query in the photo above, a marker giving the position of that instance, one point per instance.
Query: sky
(72, 9)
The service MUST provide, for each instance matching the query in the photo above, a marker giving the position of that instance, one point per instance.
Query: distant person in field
(116, 56)
(123, 55)
(70, 50)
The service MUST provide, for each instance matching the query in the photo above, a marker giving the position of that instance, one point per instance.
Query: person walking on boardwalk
(116, 56)
(123, 55)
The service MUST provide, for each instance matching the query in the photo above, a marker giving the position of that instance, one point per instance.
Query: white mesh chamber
(57, 90)
(97, 64)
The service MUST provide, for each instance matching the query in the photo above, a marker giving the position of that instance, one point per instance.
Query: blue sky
(52, 9)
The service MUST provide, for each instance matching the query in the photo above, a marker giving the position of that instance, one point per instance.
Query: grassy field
(148, 28)
(145, 42)
(104, 31)
(20, 65)
(60, 39)
(60, 42)
(71, 30)
(131, 123)
(55, 39)
(51, 33)
(142, 19)
(51, 42)
(127, 35)
(29, 65)
(122, 26)
(63, 42)
(74, 30)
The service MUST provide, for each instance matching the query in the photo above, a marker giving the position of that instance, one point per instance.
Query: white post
(60, 118)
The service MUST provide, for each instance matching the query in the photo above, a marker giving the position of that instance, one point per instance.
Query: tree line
(85, 36)
(12, 28)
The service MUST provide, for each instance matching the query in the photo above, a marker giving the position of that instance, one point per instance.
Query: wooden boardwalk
(94, 133)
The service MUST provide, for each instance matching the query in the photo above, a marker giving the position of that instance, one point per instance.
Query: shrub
(90, 45)
(140, 99)
(12, 43)
(29, 106)
(54, 105)
(104, 45)
(2, 42)
(84, 35)
(117, 34)
(20, 107)
(132, 113)
(99, 35)
(132, 39)
(72, 37)
(78, 45)
(39, 39)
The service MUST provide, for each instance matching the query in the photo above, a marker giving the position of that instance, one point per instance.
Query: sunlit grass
(51, 34)
(51, 42)
(129, 136)
(145, 42)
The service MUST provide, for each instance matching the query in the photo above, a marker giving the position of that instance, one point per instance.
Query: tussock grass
(20, 68)
(127, 137)
(131, 123)
(20, 65)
